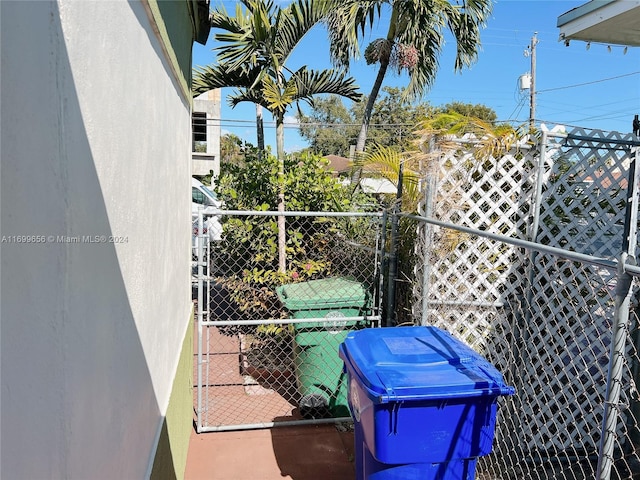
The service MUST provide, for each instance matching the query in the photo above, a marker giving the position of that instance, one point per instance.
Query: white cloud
(291, 121)
(294, 148)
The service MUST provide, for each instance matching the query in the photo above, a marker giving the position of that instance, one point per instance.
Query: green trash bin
(321, 382)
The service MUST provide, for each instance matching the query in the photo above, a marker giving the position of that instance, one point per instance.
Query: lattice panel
(544, 321)
(584, 195)
(568, 345)
(481, 196)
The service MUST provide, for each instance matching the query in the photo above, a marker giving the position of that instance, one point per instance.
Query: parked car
(203, 198)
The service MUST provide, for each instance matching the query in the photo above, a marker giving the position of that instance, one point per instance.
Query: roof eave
(603, 21)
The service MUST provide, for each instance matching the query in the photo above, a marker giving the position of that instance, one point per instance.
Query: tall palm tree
(256, 45)
(414, 41)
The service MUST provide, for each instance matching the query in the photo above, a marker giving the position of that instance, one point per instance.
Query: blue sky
(598, 87)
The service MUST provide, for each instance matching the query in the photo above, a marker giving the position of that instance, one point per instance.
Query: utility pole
(532, 91)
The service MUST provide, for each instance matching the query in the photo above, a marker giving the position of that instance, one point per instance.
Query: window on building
(199, 143)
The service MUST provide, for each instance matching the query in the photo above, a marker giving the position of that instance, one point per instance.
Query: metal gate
(266, 339)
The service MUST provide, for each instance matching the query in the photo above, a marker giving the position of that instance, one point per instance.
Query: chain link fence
(268, 339)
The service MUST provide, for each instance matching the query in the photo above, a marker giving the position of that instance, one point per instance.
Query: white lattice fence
(543, 321)
(470, 279)
(571, 305)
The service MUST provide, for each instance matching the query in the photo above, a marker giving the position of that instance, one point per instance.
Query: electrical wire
(588, 83)
(229, 123)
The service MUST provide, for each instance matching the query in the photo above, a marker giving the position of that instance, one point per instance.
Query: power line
(588, 83)
(229, 122)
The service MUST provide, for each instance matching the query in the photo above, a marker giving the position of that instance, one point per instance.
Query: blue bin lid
(418, 363)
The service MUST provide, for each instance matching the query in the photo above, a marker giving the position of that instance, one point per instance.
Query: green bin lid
(321, 294)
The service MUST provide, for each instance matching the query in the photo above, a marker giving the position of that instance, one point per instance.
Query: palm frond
(247, 38)
(346, 24)
(221, 19)
(315, 82)
(386, 161)
(220, 76)
(296, 21)
(246, 95)
(278, 99)
(488, 141)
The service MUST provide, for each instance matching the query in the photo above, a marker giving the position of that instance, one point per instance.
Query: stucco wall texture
(94, 196)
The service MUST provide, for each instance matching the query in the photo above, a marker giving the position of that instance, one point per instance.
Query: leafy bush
(251, 241)
(248, 257)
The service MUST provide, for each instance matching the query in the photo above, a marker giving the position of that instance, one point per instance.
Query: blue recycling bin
(424, 404)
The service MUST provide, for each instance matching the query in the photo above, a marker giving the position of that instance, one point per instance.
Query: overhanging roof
(614, 22)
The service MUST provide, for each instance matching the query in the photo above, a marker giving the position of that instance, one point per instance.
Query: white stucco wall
(95, 142)
(209, 103)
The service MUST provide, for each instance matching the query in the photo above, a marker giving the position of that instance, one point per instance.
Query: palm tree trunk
(260, 131)
(373, 96)
(282, 232)
(368, 110)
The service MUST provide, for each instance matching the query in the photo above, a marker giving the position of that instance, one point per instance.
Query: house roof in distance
(339, 164)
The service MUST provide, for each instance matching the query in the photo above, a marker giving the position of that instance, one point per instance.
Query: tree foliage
(484, 138)
(253, 185)
(331, 128)
(250, 266)
(478, 111)
(232, 149)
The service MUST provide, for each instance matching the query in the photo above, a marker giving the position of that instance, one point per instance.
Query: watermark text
(36, 239)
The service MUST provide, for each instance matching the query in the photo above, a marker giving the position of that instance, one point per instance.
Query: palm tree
(256, 46)
(447, 131)
(486, 139)
(415, 37)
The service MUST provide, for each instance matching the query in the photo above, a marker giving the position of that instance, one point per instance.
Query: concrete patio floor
(310, 452)
(306, 452)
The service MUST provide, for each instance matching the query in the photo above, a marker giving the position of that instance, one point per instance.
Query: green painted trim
(170, 461)
(177, 24)
(201, 22)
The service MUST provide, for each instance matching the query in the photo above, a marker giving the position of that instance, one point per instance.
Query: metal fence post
(383, 262)
(390, 316)
(199, 241)
(619, 329)
(535, 224)
(430, 195)
(616, 364)
(634, 420)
